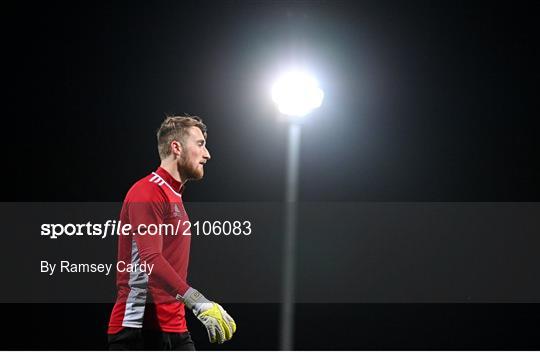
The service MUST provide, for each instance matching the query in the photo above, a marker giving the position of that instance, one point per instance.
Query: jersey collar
(175, 185)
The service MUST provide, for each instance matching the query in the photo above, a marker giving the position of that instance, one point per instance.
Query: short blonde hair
(175, 128)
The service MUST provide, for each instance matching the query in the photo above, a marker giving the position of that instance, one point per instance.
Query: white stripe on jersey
(138, 287)
(162, 182)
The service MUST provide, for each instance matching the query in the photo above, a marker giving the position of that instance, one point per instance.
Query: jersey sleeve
(149, 208)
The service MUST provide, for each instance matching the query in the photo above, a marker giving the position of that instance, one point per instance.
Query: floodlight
(297, 93)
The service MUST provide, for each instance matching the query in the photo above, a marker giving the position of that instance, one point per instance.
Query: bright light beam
(297, 93)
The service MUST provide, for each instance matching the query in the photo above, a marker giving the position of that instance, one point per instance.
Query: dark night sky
(424, 101)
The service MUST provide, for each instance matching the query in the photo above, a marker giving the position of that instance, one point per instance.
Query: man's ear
(176, 148)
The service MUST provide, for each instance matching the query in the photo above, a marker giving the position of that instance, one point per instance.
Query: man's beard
(189, 172)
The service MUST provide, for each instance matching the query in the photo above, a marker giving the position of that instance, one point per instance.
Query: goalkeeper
(149, 312)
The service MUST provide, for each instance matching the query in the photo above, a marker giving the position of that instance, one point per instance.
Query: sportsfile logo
(109, 228)
(179, 228)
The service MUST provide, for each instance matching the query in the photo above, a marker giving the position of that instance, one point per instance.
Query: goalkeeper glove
(219, 325)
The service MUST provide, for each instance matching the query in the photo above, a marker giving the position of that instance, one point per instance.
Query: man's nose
(206, 154)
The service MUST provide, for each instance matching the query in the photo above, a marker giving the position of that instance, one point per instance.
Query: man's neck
(172, 168)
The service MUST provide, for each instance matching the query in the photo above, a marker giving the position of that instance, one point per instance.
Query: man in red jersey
(149, 310)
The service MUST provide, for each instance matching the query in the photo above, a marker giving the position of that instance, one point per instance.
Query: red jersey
(148, 299)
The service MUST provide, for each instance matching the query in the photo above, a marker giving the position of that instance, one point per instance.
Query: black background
(424, 101)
